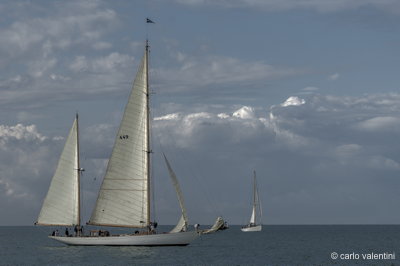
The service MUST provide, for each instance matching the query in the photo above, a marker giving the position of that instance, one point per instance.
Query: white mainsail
(256, 203)
(61, 205)
(124, 194)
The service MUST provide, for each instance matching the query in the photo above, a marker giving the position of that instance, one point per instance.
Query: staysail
(183, 221)
(123, 199)
(61, 205)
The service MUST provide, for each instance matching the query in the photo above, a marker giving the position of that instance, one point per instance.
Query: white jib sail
(61, 205)
(183, 221)
(123, 196)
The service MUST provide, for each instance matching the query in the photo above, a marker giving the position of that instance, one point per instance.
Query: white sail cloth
(123, 197)
(61, 205)
(183, 221)
(256, 219)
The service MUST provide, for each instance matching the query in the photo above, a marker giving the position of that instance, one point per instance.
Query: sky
(305, 92)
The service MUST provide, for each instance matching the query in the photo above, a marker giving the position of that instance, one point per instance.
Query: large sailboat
(124, 196)
(255, 223)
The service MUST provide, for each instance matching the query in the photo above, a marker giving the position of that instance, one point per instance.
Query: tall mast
(79, 171)
(148, 148)
(254, 192)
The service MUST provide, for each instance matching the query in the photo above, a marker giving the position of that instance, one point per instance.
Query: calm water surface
(275, 245)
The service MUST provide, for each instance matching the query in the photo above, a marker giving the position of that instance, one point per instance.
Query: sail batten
(123, 199)
(61, 205)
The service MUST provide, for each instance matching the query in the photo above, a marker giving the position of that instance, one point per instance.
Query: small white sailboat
(124, 196)
(255, 223)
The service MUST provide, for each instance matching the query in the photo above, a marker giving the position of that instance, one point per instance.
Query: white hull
(252, 228)
(167, 239)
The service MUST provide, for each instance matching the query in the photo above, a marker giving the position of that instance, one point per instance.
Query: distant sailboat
(124, 196)
(255, 223)
(219, 225)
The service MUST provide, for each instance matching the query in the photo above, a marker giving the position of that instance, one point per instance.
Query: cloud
(20, 132)
(41, 49)
(313, 151)
(310, 89)
(194, 72)
(104, 65)
(25, 158)
(334, 76)
(245, 112)
(317, 5)
(380, 124)
(293, 101)
(102, 45)
(56, 29)
(326, 149)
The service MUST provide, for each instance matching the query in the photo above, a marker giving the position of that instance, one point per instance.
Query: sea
(274, 245)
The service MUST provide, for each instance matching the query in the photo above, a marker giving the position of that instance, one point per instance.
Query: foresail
(61, 205)
(181, 226)
(123, 196)
(183, 222)
(253, 215)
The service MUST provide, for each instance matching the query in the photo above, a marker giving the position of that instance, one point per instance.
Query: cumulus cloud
(313, 151)
(24, 155)
(245, 112)
(325, 149)
(293, 101)
(19, 132)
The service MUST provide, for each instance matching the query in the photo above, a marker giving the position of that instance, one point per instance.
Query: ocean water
(275, 245)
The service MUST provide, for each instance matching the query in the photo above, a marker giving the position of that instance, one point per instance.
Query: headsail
(253, 215)
(123, 199)
(61, 205)
(183, 222)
